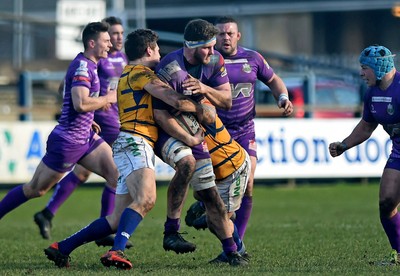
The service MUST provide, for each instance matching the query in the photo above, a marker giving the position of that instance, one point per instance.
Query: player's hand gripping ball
(187, 121)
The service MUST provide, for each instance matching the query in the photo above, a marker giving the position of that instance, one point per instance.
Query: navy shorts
(393, 163)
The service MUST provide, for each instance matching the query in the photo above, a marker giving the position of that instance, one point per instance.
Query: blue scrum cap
(379, 58)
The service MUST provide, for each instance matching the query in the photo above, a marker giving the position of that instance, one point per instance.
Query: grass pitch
(306, 230)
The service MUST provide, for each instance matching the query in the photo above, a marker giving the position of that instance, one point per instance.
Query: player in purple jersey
(244, 67)
(380, 108)
(197, 70)
(73, 141)
(109, 70)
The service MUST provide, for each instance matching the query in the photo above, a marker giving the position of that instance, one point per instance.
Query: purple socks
(171, 226)
(243, 215)
(62, 192)
(14, 198)
(107, 201)
(392, 229)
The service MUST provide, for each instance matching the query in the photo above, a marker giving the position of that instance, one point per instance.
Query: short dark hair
(199, 29)
(137, 42)
(224, 20)
(112, 20)
(92, 31)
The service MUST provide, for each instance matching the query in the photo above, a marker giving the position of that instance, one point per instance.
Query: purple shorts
(61, 154)
(109, 135)
(393, 163)
(248, 142)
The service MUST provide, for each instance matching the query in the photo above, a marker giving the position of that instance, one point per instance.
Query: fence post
(25, 96)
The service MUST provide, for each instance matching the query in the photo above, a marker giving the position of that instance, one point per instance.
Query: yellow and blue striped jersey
(135, 104)
(226, 154)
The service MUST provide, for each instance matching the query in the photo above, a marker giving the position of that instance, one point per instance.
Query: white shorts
(203, 177)
(131, 153)
(232, 188)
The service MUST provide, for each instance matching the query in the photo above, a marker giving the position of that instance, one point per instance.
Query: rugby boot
(44, 224)
(53, 254)
(177, 243)
(195, 211)
(117, 259)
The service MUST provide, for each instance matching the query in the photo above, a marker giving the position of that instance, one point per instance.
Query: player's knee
(186, 165)
(148, 205)
(386, 207)
(33, 191)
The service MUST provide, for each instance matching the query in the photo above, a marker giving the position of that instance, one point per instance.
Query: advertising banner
(287, 149)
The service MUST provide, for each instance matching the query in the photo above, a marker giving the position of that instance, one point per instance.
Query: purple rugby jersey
(244, 69)
(382, 107)
(109, 70)
(172, 70)
(72, 125)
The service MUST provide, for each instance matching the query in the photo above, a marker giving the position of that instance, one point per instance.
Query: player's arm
(209, 112)
(280, 93)
(220, 96)
(168, 123)
(360, 133)
(164, 92)
(84, 103)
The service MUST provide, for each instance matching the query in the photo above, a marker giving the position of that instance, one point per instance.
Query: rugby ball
(187, 121)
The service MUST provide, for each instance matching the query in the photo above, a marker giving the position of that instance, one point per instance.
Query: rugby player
(244, 66)
(73, 141)
(380, 108)
(109, 70)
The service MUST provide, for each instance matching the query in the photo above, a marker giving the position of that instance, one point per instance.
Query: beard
(199, 59)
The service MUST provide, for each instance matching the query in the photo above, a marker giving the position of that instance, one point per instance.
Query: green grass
(307, 230)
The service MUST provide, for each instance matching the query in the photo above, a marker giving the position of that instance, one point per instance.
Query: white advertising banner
(72, 16)
(287, 148)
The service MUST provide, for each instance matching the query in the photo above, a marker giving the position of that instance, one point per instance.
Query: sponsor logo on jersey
(223, 71)
(82, 70)
(246, 68)
(390, 109)
(253, 145)
(233, 61)
(381, 99)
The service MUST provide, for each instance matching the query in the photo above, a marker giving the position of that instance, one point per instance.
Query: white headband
(200, 43)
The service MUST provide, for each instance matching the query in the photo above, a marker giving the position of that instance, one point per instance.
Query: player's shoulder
(249, 53)
(177, 54)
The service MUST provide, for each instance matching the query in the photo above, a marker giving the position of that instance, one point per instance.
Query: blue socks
(130, 219)
(96, 230)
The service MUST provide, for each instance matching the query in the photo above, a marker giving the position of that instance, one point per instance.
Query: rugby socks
(63, 190)
(243, 215)
(392, 229)
(237, 238)
(96, 230)
(107, 201)
(229, 245)
(14, 198)
(130, 219)
(171, 226)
